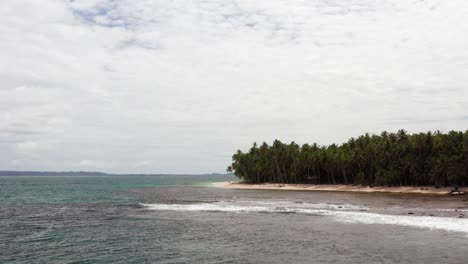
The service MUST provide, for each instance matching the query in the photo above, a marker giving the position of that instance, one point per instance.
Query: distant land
(84, 173)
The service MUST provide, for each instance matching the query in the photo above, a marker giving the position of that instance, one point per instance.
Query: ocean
(182, 219)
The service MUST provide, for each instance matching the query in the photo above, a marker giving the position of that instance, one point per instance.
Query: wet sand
(335, 188)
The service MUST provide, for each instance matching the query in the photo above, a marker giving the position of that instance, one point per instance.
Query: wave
(306, 205)
(255, 206)
(341, 213)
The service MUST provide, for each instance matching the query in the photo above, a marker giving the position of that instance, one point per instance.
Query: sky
(140, 86)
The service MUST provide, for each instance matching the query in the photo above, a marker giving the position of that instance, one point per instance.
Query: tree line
(391, 159)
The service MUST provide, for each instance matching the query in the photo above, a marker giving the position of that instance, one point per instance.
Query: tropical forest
(388, 159)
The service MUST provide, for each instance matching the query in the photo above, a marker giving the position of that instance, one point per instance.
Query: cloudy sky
(161, 86)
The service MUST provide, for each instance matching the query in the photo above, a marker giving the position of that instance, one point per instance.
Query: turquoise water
(89, 189)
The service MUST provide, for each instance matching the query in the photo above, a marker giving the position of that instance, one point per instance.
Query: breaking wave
(342, 213)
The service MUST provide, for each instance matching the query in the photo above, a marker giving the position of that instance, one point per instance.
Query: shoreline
(334, 188)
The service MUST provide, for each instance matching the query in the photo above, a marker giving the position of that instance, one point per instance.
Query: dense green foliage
(387, 159)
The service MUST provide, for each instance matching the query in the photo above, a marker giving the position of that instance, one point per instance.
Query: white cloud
(143, 163)
(27, 146)
(185, 83)
(87, 164)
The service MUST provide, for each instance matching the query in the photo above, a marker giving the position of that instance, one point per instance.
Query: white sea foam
(307, 205)
(431, 222)
(255, 206)
(340, 213)
(453, 209)
(206, 207)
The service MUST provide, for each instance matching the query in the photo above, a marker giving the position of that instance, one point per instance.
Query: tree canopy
(393, 159)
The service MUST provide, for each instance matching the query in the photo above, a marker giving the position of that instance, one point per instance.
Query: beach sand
(334, 188)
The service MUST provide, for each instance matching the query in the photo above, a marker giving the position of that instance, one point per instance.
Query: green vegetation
(393, 159)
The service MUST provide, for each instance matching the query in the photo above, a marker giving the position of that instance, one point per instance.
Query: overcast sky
(178, 86)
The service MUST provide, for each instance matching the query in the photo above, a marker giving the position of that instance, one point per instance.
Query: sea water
(182, 219)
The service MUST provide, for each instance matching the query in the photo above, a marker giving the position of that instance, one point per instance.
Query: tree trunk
(333, 177)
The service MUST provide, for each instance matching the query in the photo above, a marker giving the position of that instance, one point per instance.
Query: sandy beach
(334, 188)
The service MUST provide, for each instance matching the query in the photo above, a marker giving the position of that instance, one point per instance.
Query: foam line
(340, 213)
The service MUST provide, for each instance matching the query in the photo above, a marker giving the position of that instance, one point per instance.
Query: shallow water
(179, 219)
